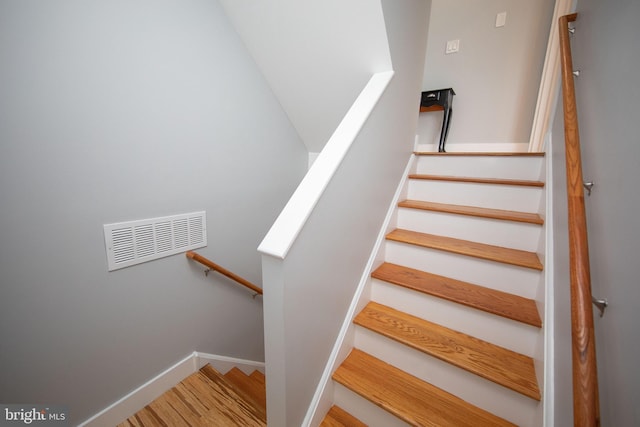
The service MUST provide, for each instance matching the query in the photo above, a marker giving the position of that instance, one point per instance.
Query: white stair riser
(509, 197)
(482, 393)
(525, 282)
(507, 333)
(424, 146)
(509, 234)
(367, 412)
(526, 168)
(503, 277)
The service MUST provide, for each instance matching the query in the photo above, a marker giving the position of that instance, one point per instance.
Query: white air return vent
(134, 242)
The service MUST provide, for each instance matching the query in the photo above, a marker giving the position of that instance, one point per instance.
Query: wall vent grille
(135, 242)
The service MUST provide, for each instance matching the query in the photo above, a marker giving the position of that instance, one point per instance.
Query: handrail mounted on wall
(213, 266)
(586, 412)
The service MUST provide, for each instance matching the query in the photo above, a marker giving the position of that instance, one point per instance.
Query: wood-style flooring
(205, 399)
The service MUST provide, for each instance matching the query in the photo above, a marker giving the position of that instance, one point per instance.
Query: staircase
(451, 335)
(208, 398)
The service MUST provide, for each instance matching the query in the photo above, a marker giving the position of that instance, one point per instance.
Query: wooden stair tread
(258, 377)
(179, 399)
(414, 401)
(478, 154)
(502, 366)
(163, 408)
(251, 387)
(464, 247)
(531, 218)
(338, 417)
(143, 418)
(489, 300)
(219, 382)
(203, 399)
(477, 180)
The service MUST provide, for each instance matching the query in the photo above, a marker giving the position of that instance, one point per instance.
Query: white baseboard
(131, 403)
(224, 363)
(143, 395)
(489, 147)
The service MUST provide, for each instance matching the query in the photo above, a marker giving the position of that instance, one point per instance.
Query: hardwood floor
(207, 398)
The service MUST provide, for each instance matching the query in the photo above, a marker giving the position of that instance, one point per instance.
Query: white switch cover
(501, 19)
(452, 46)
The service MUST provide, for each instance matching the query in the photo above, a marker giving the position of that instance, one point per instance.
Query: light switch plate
(501, 19)
(453, 46)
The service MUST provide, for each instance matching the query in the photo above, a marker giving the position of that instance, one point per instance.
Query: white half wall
(495, 74)
(310, 281)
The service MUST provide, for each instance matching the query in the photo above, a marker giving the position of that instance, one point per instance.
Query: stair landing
(204, 399)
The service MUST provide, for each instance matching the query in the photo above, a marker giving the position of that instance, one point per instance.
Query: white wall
(496, 73)
(307, 294)
(317, 56)
(122, 110)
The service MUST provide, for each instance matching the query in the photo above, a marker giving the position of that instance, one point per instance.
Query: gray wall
(563, 392)
(120, 110)
(316, 55)
(606, 53)
(496, 73)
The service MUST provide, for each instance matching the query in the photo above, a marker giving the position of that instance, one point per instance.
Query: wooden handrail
(213, 266)
(586, 411)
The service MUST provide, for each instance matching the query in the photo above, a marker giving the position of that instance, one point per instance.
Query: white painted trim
(224, 364)
(548, 81)
(312, 417)
(489, 147)
(137, 399)
(128, 405)
(289, 223)
(548, 391)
